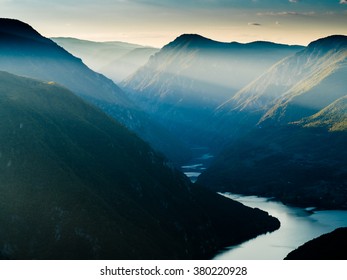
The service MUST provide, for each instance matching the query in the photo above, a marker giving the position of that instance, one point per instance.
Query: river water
(201, 160)
(298, 226)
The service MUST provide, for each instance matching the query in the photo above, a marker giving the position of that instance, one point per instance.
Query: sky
(158, 22)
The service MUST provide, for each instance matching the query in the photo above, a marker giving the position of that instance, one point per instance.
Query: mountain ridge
(126, 44)
(103, 57)
(197, 41)
(15, 27)
(287, 131)
(295, 87)
(75, 184)
(40, 58)
(334, 116)
(183, 83)
(335, 41)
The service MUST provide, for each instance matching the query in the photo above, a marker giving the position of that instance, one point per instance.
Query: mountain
(296, 87)
(330, 246)
(333, 117)
(187, 79)
(116, 60)
(204, 62)
(23, 51)
(303, 166)
(124, 66)
(288, 131)
(95, 54)
(75, 184)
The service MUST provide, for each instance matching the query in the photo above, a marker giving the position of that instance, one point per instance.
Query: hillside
(296, 87)
(286, 130)
(121, 68)
(23, 51)
(94, 54)
(75, 184)
(332, 117)
(116, 60)
(331, 246)
(187, 79)
(304, 166)
(204, 62)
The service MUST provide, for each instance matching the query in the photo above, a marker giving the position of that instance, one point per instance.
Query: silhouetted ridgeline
(330, 246)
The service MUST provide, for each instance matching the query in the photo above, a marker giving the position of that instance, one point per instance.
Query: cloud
(254, 24)
(293, 1)
(287, 13)
(343, 1)
(330, 13)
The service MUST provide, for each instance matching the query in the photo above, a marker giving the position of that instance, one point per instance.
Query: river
(298, 226)
(200, 161)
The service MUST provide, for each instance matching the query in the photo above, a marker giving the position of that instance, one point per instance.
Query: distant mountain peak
(196, 41)
(330, 42)
(191, 36)
(269, 44)
(192, 41)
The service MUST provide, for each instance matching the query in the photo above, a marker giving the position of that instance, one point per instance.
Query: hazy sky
(157, 22)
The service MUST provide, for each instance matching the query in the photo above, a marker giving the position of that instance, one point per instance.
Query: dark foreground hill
(75, 184)
(330, 246)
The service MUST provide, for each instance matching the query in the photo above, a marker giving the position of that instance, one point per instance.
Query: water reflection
(298, 226)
